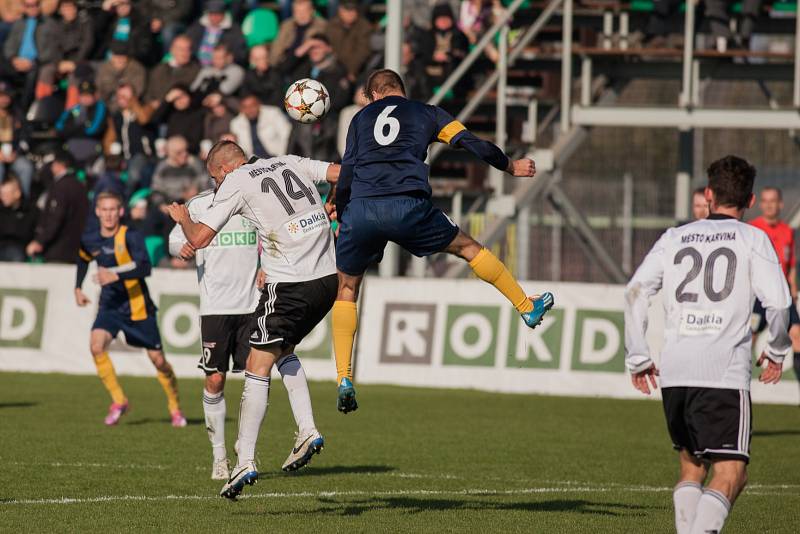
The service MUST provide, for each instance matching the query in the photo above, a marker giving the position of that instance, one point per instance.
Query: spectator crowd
(129, 96)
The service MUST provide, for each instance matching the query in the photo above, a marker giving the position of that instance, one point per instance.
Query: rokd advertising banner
(43, 330)
(463, 334)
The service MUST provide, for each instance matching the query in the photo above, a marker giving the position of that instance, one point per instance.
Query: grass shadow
(416, 505)
(23, 404)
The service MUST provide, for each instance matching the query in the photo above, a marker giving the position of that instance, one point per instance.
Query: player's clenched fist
(178, 212)
(80, 298)
(522, 167)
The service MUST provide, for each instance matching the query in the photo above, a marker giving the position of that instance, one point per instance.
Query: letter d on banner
(598, 341)
(22, 314)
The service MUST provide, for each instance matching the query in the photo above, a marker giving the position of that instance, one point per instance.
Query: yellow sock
(105, 370)
(170, 384)
(488, 268)
(345, 322)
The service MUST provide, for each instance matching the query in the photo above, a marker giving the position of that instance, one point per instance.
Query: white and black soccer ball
(307, 101)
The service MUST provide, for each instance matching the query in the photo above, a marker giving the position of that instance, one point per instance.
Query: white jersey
(711, 271)
(278, 196)
(226, 268)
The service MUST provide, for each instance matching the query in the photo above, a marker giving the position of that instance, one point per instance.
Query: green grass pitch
(409, 460)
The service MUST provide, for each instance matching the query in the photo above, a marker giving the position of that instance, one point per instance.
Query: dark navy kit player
(383, 195)
(125, 303)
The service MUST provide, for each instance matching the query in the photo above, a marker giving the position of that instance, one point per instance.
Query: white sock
(685, 497)
(252, 410)
(712, 509)
(294, 378)
(214, 410)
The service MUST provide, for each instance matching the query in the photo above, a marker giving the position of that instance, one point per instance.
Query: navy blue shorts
(367, 224)
(142, 333)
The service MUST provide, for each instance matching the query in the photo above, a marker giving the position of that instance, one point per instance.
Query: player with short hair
(384, 195)
(278, 196)
(125, 303)
(227, 273)
(710, 271)
(782, 237)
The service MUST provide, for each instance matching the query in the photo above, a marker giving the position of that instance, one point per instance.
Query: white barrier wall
(434, 333)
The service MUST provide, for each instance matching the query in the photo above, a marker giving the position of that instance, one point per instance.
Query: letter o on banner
(169, 322)
(469, 349)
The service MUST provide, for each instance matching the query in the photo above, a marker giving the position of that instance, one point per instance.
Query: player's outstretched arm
(84, 258)
(197, 234)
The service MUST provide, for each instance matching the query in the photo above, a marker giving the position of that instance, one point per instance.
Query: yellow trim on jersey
(134, 287)
(450, 131)
(85, 256)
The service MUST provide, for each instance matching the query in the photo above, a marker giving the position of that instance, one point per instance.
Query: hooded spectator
(261, 131)
(216, 27)
(261, 79)
(121, 21)
(82, 126)
(180, 69)
(450, 45)
(17, 220)
(119, 69)
(58, 232)
(181, 175)
(183, 115)
(295, 31)
(350, 35)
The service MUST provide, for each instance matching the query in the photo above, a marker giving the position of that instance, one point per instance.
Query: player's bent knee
(215, 382)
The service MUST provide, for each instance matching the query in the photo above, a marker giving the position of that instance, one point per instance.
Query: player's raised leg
(489, 268)
(98, 343)
(688, 491)
(252, 410)
(345, 323)
(166, 377)
(308, 440)
(214, 411)
(727, 482)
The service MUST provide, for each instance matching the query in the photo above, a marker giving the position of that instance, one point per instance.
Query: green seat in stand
(260, 26)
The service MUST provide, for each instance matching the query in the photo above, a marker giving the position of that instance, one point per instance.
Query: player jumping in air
(710, 271)
(384, 195)
(125, 303)
(277, 195)
(226, 272)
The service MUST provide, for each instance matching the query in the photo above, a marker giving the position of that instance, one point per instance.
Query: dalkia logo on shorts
(310, 223)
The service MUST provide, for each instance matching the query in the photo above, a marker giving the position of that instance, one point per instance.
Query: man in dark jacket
(183, 114)
(169, 17)
(128, 128)
(350, 34)
(30, 44)
(74, 39)
(181, 69)
(17, 220)
(58, 234)
(448, 47)
(262, 79)
(215, 27)
(120, 20)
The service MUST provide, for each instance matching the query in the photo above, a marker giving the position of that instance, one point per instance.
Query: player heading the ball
(384, 195)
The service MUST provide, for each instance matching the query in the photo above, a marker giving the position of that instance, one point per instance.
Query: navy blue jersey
(387, 144)
(125, 254)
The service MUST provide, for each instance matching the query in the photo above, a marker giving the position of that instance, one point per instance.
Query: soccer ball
(307, 101)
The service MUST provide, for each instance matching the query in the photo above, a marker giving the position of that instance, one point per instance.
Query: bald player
(278, 196)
